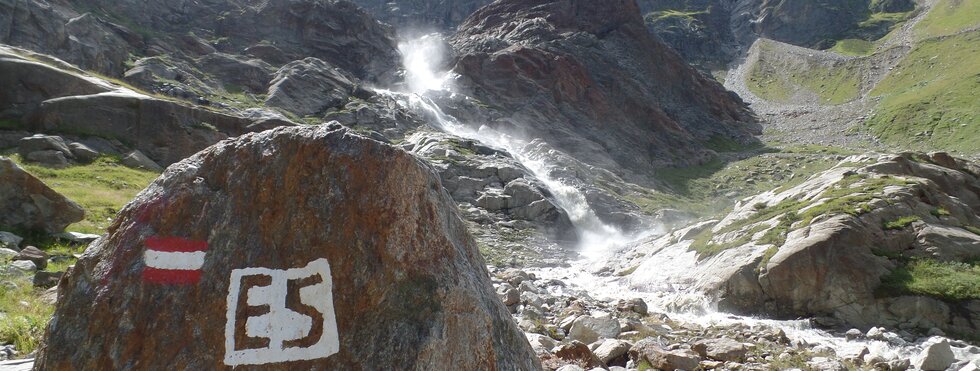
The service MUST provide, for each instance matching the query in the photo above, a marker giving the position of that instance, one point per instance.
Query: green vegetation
(851, 195)
(25, 316)
(102, 188)
(949, 17)
(672, 14)
(832, 83)
(10, 125)
(900, 223)
(975, 230)
(940, 212)
(710, 188)
(951, 281)
(853, 47)
(929, 100)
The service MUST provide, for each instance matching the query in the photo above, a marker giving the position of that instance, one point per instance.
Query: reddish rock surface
(295, 248)
(588, 77)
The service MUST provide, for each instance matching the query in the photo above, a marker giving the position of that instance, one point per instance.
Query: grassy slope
(777, 82)
(929, 101)
(101, 188)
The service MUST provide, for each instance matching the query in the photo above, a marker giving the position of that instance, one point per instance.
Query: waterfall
(422, 59)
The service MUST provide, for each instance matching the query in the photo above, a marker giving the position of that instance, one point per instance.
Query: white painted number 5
(280, 315)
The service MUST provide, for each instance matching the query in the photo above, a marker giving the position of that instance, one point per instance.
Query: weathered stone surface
(47, 279)
(550, 66)
(310, 86)
(26, 202)
(408, 286)
(652, 352)
(936, 355)
(83, 152)
(722, 349)
(611, 349)
(588, 329)
(40, 258)
(52, 159)
(578, 352)
(540, 343)
(138, 160)
(41, 142)
(10, 241)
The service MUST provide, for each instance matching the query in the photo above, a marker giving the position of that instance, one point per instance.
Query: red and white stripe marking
(173, 260)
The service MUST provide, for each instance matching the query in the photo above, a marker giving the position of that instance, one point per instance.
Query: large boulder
(295, 248)
(26, 202)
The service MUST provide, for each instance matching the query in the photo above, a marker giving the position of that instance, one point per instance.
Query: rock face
(422, 14)
(350, 247)
(846, 243)
(588, 78)
(51, 96)
(91, 33)
(26, 202)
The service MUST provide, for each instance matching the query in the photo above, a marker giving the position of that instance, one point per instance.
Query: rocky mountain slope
(578, 68)
(631, 213)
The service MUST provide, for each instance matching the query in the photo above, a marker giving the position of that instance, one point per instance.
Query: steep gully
(598, 241)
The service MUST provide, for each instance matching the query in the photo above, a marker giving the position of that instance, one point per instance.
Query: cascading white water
(421, 58)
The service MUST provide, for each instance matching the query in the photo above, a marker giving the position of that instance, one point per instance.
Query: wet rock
(723, 349)
(570, 368)
(40, 258)
(588, 329)
(350, 245)
(936, 355)
(508, 294)
(636, 305)
(138, 160)
(514, 276)
(853, 334)
(26, 202)
(650, 351)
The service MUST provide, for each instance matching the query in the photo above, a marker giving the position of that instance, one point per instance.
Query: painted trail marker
(173, 260)
(280, 315)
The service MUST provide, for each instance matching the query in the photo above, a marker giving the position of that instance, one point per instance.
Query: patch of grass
(853, 47)
(832, 83)
(900, 223)
(102, 188)
(672, 13)
(948, 17)
(975, 230)
(929, 100)
(940, 212)
(10, 124)
(949, 281)
(25, 316)
(849, 196)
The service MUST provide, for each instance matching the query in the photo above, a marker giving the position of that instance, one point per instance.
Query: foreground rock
(26, 202)
(349, 246)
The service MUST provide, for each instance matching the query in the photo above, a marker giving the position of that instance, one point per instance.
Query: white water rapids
(422, 59)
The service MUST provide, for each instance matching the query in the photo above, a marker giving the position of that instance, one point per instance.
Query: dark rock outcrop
(316, 249)
(49, 96)
(310, 86)
(422, 14)
(26, 202)
(588, 78)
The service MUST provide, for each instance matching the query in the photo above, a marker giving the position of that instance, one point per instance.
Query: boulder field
(311, 248)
